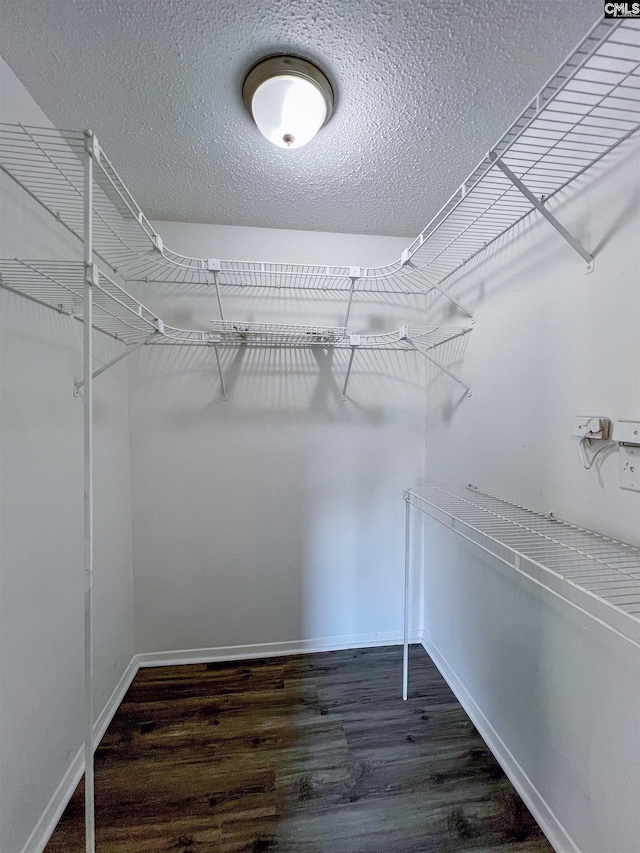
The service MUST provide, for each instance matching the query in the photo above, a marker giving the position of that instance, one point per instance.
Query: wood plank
(305, 754)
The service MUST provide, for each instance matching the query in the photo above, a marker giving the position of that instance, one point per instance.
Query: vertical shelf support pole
(407, 562)
(89, 277)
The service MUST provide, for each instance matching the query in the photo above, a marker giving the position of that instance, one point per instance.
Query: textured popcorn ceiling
(423, 89)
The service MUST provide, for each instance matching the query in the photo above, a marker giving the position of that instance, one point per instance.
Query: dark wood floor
(306, 754)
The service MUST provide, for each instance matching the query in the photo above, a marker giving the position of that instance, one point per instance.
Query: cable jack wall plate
(629, 456)
(591, 426)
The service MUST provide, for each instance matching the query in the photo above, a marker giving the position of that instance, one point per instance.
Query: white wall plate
(629, 457)
(627, 432)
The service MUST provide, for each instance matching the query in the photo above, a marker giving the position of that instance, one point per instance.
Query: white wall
(275, 516)
(549, 343)
(41, 527)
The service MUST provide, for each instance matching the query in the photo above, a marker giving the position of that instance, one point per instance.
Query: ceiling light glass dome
(289, 99)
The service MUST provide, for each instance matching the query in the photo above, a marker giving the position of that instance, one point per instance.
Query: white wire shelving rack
(597, 575)
(115, 312)
(584, 111)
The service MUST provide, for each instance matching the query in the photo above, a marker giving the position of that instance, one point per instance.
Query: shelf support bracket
(443, 292)
(346, 378)
(115, 360)
(451, 298)
(222, 385)
(539, 206)
(444, 369)
(354, 275)
(214, 266)
(215, 278)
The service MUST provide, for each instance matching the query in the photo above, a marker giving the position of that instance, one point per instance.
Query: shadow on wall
(285, 500)
(195, 306)
(300, 385)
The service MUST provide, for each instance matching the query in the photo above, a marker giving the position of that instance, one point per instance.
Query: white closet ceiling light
(289, 99)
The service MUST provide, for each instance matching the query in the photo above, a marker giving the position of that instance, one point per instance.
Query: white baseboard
(49, 818)
(557, 835)
(267, 650)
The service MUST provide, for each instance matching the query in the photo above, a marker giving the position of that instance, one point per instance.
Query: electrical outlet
(629, 456)
(596, 428)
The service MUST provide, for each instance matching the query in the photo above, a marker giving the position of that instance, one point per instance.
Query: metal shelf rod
(89, 274)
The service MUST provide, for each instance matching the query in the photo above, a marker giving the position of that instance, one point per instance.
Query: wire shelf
(59, 285)
(596, 573)
(587, 108)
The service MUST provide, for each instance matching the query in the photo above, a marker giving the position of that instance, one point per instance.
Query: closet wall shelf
(586, 109)
(596, 574)
(600, 574)
(60, 285)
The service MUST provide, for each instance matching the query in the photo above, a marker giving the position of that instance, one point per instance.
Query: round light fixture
(289, 99)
